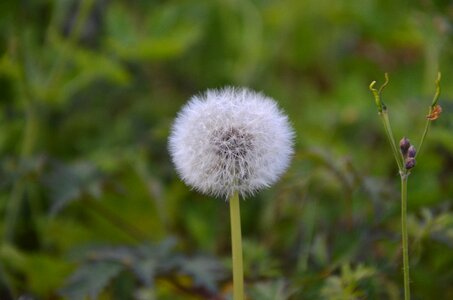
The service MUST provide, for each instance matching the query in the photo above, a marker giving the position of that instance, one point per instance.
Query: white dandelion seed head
(231, 140)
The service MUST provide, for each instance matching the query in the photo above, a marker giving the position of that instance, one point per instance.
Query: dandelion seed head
(229, 140)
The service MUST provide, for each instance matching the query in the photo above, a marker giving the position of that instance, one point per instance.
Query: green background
(91, 206)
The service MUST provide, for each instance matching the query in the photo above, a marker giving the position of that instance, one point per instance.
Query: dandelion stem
(407, 292)
(236, 247)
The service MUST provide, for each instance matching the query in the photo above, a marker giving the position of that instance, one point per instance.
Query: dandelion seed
(231, 140)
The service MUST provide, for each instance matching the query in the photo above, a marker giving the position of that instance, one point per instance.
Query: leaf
(146, 270)
(12, 170)
(90, 279)
(11, 257)
(70, 182)
(56, 271)
(206, 271)
(272, 290)
(91, 67)
(145, 261)
(258, 261)
(344, 286)
(165, 34)
(429, 225)
(153, 259)
(319, 249)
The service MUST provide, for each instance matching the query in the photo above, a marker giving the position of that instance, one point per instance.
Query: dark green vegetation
(91, 205)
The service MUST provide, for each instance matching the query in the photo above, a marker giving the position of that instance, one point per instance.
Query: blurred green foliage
(92, 207)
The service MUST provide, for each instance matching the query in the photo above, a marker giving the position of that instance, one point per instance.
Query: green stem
(407, 293)
(431, 108)
(388, 130)
(425, 132)
(382, 110)
(236, 247)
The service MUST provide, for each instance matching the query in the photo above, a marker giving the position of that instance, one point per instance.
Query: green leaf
(90, 280)
(166, 33)
(70, 182)
(319, 249)
(152, 259)
(91, 67)
(345, 285)
(205, 271)
(272, 290)
(56, 271)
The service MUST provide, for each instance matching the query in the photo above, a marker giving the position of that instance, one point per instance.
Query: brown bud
(404, 146)
(435, 113)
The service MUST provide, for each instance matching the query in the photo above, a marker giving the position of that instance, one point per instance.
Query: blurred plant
(345, 286)
(273, 290)
(405, 159)
(49, 74)
(227, 143)
(104, 265)
(432, 226)
(88, 91)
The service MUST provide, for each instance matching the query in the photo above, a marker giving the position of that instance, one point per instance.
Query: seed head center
(232, 143)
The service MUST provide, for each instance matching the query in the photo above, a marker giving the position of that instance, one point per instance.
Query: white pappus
(231, 140)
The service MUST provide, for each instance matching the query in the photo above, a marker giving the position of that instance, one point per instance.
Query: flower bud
(411, 152)
(410, 163)
(404, 146)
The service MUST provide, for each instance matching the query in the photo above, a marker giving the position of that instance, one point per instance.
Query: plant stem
(431, 108)
(236, 247)
(425, 132)
(388, 130)
(407, 292)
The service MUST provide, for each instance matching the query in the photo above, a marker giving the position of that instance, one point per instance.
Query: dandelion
(229, 142)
